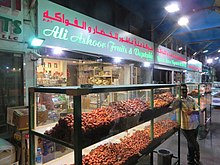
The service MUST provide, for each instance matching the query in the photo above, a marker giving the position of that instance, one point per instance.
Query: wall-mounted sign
(165, 56)
(11, 18)
(68, 29)
(194, 65)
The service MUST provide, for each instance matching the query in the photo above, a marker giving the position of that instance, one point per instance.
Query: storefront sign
(165, 56)
(194, 65)
(11, 18)
(192, 77)
(68, 29)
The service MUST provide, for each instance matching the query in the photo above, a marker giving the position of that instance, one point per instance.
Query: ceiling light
(171, 8)
(216, 58)
(205, 51)
(117, 59)
(146, 64)
(57, 50)
(194, 53)
(180, 48)
(219, 50)
(209, 60)
(183, 21)
(36, 42)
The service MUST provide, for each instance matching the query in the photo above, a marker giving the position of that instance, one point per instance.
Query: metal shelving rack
(76, 93)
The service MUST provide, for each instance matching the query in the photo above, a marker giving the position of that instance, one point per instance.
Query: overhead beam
(199, 51)
(198, 30)
(167, 35)
(198, 42)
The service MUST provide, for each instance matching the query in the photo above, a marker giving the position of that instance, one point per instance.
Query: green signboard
(194, 65)
(165, 56)
(62, 27)
(11, 20)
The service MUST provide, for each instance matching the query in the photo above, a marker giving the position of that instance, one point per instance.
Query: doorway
(11, 85)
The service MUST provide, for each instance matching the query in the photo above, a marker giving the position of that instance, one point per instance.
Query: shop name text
(86, 39)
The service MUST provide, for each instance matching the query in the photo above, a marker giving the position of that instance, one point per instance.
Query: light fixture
(219, 50)
(57, 50)
(173, 7)
(146, 64)
(194, 53)
(184, 71)
(183, 21)
(99, 60)
(36, 42)
(205, 51)
(216, 58)
(117, 59)
(180, 48)
(209, 60)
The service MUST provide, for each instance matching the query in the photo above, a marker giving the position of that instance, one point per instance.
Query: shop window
(11, 85)
(55, 65)
(49, 65)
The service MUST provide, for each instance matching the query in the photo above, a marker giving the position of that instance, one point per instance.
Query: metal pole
(77, 130)
(179, 122)
(32, 100)
(199, 96)
(152, 124)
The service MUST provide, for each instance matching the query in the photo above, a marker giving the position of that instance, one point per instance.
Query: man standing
(189, 124)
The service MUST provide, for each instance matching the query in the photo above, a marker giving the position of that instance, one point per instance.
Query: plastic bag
(7, 152)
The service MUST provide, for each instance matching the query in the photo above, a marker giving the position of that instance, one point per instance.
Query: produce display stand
(147, 120)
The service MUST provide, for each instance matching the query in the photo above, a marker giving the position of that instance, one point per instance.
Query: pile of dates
(128, 147)
(163, 99)
(98, 122)
(129, 107)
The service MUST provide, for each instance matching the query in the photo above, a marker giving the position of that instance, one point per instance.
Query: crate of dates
(96, 125)
(129, 112)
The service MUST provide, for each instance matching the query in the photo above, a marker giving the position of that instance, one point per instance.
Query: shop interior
(67, 70)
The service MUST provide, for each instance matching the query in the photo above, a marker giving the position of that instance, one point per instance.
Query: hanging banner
(65, 28)
(194, 65)
(165, 56)
(11, 20)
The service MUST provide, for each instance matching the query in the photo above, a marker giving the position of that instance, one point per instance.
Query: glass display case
(216, 94)
(126, 123)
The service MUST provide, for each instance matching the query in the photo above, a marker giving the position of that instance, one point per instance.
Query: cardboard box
(21, 119)
(18, 116)
(10, 112)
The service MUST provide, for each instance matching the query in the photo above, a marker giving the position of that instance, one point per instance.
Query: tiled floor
(209, 146)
